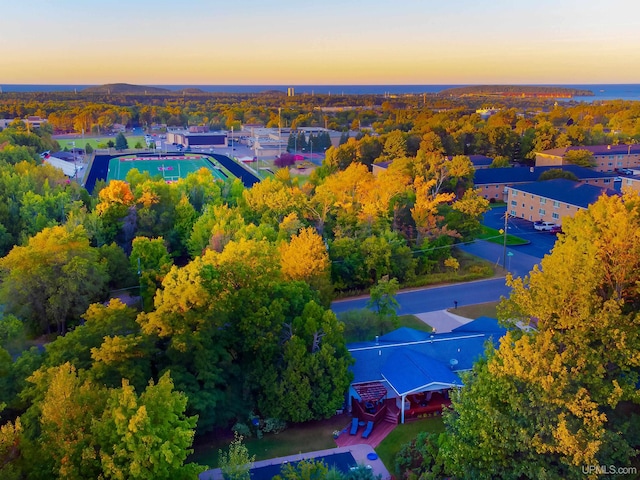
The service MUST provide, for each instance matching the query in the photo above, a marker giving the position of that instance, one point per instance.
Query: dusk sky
(211, 42)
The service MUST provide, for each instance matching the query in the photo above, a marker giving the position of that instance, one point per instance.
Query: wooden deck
(380, 431)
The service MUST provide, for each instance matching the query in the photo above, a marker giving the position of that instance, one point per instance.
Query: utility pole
(279, 132)
(504, 251)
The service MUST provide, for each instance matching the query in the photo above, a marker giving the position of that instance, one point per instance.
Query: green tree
(564, 395)
(383, 297)
(582, 158)
(150, 258)
(146, 436)
(100, 322)
(303, 470)
(500, 162)
(66, 412)
(421, 458)
(121, 142)
(52, 279)
(557, 173)
(311, 379)
(236, 462)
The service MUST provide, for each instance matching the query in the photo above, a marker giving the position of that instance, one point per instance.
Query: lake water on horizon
(601, 91)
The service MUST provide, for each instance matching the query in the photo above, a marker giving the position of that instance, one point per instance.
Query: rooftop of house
(566, 191)
(531, 174)
(410, 360)
(633, 149)
(480, 160)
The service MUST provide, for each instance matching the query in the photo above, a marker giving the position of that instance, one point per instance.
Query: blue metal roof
(566, 191)
(373, 359)
(408, 371)
(482, 324)
(404, 334)
(525, 174)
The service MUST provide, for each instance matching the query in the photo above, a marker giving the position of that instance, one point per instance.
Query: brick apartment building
(552, 200)
(609, 158)
(493, 182)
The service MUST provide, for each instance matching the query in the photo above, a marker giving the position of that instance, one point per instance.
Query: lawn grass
(411, 321)
(94, 141)
(402, 434)
(492, 235)
(302, 438)
(479, 310)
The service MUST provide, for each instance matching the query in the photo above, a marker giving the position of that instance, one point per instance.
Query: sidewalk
(442, 321)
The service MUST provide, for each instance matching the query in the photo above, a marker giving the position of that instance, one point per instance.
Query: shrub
(274, 425)
(284, 160)
(242, 429)
(420, 458)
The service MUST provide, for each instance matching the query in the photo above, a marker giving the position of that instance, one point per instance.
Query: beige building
(552, 200)
(609, 158)
(493, 182)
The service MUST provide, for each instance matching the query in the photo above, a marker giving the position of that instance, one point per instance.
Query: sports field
(170, 167)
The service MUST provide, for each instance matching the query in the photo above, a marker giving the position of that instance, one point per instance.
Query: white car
(543, 226)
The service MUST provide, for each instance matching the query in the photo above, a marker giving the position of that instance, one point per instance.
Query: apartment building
(552, 200)
(493, 182)
(608, 158)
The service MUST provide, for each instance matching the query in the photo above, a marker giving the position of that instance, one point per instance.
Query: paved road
(519, 261)
(431, 299)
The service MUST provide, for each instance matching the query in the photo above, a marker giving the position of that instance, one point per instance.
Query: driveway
(442, 321)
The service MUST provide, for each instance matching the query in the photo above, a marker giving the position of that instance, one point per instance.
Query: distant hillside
(191, 91)
(516, 91)
(125, 88)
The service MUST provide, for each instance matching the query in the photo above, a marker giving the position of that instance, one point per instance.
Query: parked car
(556, 229)
(543, 226)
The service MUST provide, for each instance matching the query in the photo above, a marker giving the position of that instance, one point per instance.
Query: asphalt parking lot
(540, 244)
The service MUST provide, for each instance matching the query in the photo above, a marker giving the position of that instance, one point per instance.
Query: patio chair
(368, 430)
(354, 426)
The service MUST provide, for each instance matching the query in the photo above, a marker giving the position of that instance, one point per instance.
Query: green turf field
(170, 167)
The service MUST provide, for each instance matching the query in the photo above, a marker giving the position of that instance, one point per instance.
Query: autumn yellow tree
(378, 197)
(565, 395)
(272, 200)
(425, 210)
(116, 194)
(304, 257)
